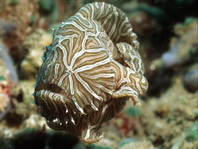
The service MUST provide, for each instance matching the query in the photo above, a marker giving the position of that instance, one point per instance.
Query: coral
(23, 106)
(7, 67)
(180, 56)
(164, 122)
(89, 71)
(8, 78)
(35, 44)
(5, 104)
(183, 48)
(6, 27)
(23, 16)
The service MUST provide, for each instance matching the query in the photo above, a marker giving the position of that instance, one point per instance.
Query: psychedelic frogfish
(89, 71)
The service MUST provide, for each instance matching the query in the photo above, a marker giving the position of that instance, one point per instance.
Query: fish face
(76, 69)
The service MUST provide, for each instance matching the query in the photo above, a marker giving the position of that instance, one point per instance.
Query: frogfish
(89, 71)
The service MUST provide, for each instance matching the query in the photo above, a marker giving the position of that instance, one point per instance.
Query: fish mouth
(50, 98)
(49, 91)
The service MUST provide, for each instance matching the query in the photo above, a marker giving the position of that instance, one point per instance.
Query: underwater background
(167, 31)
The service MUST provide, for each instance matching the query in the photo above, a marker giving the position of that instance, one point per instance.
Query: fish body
(89, 71)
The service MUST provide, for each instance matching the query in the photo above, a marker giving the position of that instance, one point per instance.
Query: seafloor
(168, 36)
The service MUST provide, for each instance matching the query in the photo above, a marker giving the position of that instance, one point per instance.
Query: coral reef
(167, 33)
(166, 116)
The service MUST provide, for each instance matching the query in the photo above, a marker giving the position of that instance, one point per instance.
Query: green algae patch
(192, 133)
(133, 112)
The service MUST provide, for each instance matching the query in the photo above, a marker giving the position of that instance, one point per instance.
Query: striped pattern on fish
(89, 71)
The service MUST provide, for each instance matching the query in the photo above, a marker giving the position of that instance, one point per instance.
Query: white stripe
(61, 79)
(64, 55)
(88, 67)
(77, 105)
(98, 76)
(90, 59)
(56, 70)
(88, 88)
(78, 54)
(71, 85)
